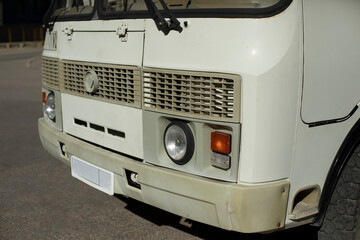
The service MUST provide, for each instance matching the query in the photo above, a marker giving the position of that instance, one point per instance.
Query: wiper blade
(161, 23)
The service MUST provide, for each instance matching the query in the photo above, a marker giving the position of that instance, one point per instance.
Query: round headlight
(50, 106)
(179, 142)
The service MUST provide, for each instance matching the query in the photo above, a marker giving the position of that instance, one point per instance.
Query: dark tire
(342, 217)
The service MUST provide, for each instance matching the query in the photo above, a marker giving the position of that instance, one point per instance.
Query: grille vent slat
(50, 72)
(196, 94)
(117, 84)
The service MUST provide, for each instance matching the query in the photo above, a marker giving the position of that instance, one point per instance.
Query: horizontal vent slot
(97, 127)
(116, 133)
(80, 122)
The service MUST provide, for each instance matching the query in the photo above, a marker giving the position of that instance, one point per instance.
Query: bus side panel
(332, 59)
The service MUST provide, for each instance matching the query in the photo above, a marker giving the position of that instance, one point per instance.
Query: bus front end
(189, 106)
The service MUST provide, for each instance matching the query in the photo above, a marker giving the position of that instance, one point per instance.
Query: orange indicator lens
(44, 97)
(220, 142)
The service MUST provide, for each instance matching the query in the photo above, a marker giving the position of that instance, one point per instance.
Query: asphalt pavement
(40, 200)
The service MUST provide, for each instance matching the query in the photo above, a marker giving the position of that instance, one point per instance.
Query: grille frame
(115, 85)
(50, 72)
(200, 96)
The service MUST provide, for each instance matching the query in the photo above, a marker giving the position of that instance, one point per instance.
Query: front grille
(211, 96)
(50, 72)
(117, 84)
(195, 94)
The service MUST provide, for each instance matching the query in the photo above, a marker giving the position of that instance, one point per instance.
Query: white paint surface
(117, 117)
(332, 59)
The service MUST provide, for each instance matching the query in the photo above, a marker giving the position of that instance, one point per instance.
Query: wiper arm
(160, 21)
(47, 17)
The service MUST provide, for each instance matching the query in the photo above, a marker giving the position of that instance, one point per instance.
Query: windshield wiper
(161, 23)
(47, 17)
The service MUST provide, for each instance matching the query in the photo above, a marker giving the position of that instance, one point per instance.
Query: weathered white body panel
(332, 59)
(110, 116)
(267, 54)
(330, 90)
(315, 151)
(98, 42)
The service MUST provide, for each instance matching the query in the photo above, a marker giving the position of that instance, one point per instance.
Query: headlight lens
(50, 106)
(179, 142)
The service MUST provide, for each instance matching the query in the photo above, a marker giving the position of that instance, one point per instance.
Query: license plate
(92, 175)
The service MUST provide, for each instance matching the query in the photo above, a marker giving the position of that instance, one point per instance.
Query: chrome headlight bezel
(49, 107)
(179, 142)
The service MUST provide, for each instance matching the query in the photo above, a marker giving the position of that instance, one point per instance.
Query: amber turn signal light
(44, 97)
(220, 142)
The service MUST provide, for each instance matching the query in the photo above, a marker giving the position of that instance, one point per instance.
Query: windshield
(69, 10)
(73, 7)
(139, 5)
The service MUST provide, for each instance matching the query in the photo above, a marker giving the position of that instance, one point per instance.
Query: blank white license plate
(92, 175)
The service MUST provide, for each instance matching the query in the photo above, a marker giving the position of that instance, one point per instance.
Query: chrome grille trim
(201, 95)
(117, 84)
(50, 72)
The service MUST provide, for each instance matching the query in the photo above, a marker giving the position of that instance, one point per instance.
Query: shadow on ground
(203, 231)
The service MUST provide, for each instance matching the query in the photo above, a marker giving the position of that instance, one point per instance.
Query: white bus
(241, 114)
